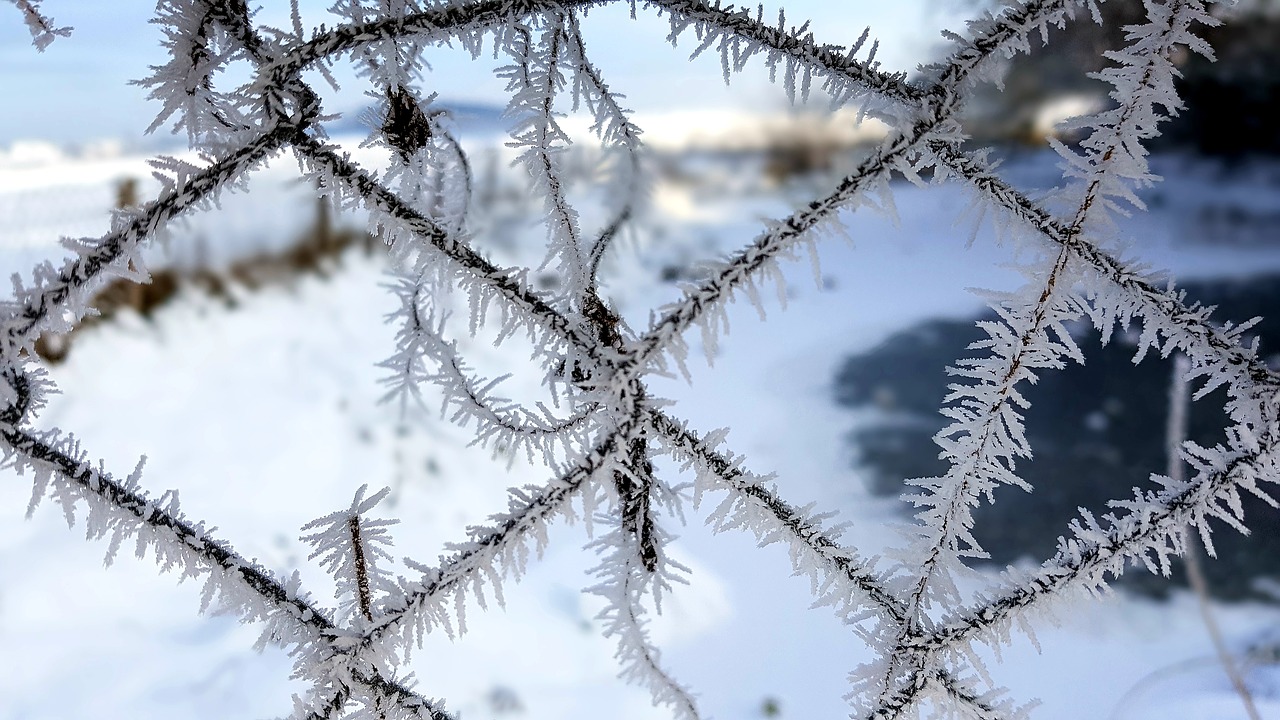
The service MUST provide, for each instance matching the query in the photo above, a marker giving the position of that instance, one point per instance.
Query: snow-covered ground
(267, 415)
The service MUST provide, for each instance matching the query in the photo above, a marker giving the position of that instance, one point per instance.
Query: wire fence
(911, 607)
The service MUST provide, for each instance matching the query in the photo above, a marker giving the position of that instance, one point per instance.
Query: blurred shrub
(1232, 104)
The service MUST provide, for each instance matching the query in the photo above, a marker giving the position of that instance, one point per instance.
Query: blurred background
(246, 371)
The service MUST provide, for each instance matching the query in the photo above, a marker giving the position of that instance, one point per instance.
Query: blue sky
(78, 89)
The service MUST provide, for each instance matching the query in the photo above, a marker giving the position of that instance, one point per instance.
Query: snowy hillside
(267, 415)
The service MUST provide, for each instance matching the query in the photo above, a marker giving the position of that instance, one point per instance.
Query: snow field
(266, 416)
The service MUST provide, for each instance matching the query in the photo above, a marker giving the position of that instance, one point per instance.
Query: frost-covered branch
(462, 22)
(401, 224)
(614, 126)
(705, 304)
(534, 80)
(186, 187)
(119, 510)
(737, 37)
(501, 547)
(424, 355)
(1150, 534)
(627, 577)
(323, 707)
(926, 122)
(350, 545)
(986, 432)
(838, 576)
(1113, 164)
(1162, 310)
(635, 566)
(750, 505)
(42, 28)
